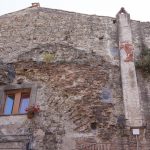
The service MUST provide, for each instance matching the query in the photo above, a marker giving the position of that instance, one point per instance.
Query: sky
(138, 9)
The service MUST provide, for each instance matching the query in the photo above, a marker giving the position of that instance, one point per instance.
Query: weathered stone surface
(28, 29)
(128, 75)
(7, 73)
(78, 87)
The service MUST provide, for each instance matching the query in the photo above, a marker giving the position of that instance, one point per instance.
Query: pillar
(128, 74)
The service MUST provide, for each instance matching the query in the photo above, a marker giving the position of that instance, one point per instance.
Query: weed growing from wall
(48, 57)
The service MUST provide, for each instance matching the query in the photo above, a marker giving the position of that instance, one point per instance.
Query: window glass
(9, 104)
(24, 103)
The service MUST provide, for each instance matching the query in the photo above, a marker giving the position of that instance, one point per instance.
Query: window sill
(13, 115)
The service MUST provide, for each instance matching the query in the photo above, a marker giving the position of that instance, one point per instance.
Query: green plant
(143, 62)
(48, 57)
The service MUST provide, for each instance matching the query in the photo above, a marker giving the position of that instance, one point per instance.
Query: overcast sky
(138, 9)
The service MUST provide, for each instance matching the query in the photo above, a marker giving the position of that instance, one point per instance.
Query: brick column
(128, 74)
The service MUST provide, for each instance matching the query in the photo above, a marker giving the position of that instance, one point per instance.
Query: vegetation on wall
(143, 62)
(48, 57)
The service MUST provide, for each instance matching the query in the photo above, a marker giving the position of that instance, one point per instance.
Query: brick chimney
(35, 5)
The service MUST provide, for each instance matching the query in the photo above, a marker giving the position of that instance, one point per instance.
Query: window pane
(9, 104)
(24, 103)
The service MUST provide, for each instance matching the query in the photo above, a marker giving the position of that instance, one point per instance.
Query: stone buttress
(128, 74)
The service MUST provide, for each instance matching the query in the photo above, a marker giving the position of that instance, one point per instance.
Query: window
(15, 98)
(9, 104)
(16, 101)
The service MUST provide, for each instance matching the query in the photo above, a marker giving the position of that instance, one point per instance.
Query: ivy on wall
(143, 62)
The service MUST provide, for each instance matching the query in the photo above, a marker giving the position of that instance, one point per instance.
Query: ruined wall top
(35, 5)
(122, 11)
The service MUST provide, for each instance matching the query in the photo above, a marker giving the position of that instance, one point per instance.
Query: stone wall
(28, 29)
(73, 59)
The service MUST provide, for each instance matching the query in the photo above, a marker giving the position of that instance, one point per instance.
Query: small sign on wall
(136, 131)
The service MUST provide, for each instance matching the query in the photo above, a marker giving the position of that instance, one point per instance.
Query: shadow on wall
(115, 53)
(7, 73)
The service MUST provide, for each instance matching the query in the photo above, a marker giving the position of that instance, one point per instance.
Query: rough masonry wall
(30, 28)
(79, 88)
(76, 89)
(71, 95)
(140, 35)
(144, 90)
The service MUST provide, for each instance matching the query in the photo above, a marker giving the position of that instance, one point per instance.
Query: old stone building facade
(80, 70)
